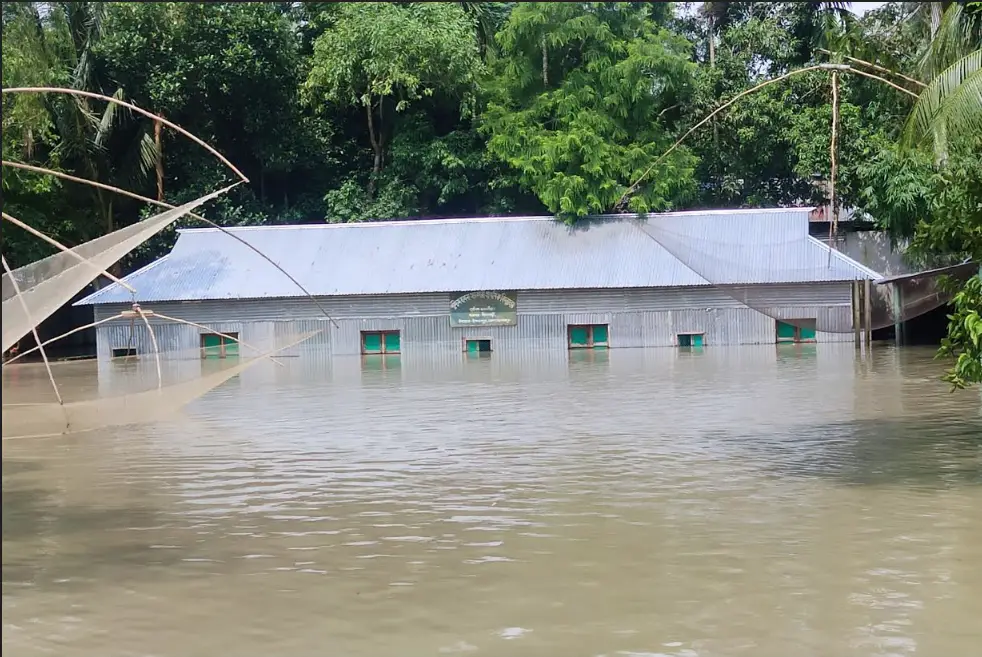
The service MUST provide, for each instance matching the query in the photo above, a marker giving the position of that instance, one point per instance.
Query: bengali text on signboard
(484, 309)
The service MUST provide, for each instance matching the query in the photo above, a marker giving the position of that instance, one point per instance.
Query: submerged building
(491, 284)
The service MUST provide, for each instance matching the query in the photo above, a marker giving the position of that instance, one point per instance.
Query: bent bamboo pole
(131, 106)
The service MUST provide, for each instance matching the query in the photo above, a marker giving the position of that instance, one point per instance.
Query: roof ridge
(846, 259)
(524, 253)
(491, 220)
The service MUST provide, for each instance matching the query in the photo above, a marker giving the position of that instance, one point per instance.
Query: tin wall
(636, 317)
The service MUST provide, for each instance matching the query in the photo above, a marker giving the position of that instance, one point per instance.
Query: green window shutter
(785, 331)
(472, 346)
(685, 340)
(807, 333)
(212, 345)
(231, 347)
(578, 336)
(697, 340)
(372, 342)
(600, 334)
(392, 342)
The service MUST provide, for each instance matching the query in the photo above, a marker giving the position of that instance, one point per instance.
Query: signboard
(484, 309)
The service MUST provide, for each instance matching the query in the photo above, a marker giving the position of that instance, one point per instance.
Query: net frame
(888, 305)
(44, 271)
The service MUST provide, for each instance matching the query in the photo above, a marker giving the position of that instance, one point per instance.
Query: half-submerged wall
(647, 317)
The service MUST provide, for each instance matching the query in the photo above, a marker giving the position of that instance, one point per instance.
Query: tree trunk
(712, 65)
(116, 269)
(937, 9)
(158, 126)
(545, 63)
(110, 224)
(940, 135)
(376, 140)
(712, 42)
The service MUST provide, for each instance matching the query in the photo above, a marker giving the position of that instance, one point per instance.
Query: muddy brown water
(748, 501)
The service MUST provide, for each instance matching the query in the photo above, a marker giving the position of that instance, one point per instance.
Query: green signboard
(484, 309)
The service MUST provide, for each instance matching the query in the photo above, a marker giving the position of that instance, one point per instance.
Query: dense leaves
(382, 57)
(582, 104)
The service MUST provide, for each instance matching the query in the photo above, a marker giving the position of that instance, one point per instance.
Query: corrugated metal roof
(525, 253)
(952, 270)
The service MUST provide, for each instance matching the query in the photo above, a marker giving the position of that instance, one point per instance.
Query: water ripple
(743, 502)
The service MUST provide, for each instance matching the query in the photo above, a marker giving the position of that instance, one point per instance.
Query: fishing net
(48, 284)
(128, 392)
(843, 297)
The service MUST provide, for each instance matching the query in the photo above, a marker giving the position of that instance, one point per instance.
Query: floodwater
(764, 501)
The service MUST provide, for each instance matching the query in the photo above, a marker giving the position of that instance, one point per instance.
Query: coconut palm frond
(948, 43)
(951, 104)
(105, 124)
(148, 153)
(85, 25)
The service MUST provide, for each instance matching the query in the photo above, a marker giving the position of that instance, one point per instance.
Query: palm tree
(91, 142)
(951, 104)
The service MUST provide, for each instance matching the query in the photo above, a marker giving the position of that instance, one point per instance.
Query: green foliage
(938, 208)
(383, 57)
(228, 72)
(951, 105)
(964, 341)
(582, 104)
(379, 50)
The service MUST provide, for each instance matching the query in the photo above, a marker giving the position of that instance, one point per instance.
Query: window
(129, 352)
(380, 342)
(588, 336)
(219, 346)
(477, 346)
(691, 339)
(796, 330)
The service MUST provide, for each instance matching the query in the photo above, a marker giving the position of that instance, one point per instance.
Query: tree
(228, 72)
(29, 134)
(55, 45)
(950, 106)
(383, 57)
(939, 209)
(964, 341)
(584, 97)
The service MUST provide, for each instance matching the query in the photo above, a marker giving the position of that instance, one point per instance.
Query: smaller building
(456, 285)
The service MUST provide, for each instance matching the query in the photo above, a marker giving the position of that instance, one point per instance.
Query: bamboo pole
(883, 80)
(34, 330)
(709, 117)
(834, 223)
(206, 328)
(62, 336)
(825, 67)
(130, 106)
(876, 67)
(856, 319)
(868, 308)
(162, 204)
(153, 341)
(55, 243)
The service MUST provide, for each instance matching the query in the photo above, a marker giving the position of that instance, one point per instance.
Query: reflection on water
(796, 500)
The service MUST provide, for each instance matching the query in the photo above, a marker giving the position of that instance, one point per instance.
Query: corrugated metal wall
(637, 318)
